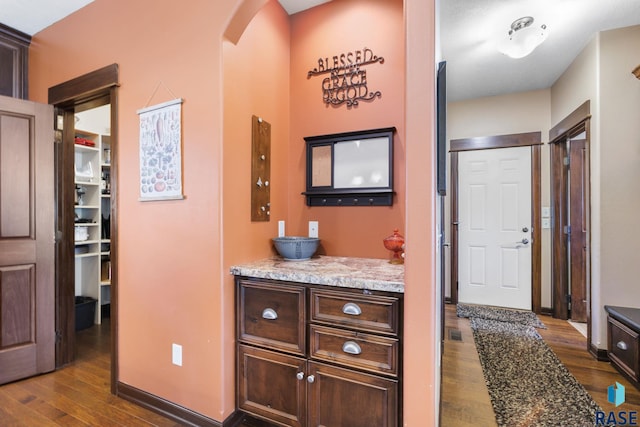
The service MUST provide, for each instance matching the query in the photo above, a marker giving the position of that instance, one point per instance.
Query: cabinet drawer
(373, 313)
(272, 315)
(623, 348)
(354, 349)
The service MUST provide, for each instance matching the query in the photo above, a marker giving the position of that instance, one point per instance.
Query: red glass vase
(395, 243)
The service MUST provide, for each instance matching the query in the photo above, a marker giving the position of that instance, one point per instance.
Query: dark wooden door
(27, 288)
(342, 397)
(272, 385)
(578, 236)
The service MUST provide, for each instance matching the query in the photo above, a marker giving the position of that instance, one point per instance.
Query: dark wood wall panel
(573, 120)
(497, 141)
(558, 241)
(85, 88)
(15, 173)
(17, 303)
(536, 220)
(14, 62)
(454, 228)
(6, 70)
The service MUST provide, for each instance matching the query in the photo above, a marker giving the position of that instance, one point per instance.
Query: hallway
(465, 399)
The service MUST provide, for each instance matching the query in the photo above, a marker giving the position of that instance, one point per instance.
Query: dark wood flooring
(76, 395)
(464, 396)
(79, 394)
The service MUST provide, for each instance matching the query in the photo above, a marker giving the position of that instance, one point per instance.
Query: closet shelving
(92, 219)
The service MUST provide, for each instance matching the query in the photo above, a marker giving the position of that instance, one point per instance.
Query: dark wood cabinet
(14, 58)
(271, 385)
(310, 356)
(623, 336)
(345, 397)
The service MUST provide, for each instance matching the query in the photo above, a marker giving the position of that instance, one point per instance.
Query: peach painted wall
(170, 252)
(256, 82)
(174, 284)
(332, 29)
(421, 309)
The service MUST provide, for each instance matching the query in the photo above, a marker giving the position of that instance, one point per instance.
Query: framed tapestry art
(161, 151)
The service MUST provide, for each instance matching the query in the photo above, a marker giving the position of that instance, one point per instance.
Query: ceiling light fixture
(523, 38)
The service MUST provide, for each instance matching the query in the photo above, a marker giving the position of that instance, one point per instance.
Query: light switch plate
(176, 354)
(546, 212)
(313, 229)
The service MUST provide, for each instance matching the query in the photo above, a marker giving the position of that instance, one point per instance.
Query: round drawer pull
(351, 347)
(269, 314)
(300, 376)
(622, 345)
(311, 379)
(352, 308)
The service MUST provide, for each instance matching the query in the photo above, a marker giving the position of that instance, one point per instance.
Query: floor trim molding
(171, 410)
(600, 354)
(546, 311)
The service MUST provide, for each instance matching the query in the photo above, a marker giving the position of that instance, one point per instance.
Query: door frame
(532, 139)
(90, 90)
(574, 124)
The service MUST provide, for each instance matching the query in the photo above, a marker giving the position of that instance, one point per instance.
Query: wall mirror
(350, 169)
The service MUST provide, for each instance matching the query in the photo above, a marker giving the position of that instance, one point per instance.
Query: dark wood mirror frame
(350, 169)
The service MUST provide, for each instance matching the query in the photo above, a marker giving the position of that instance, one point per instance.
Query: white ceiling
(31, 16)
(295, 6)
(469, 30)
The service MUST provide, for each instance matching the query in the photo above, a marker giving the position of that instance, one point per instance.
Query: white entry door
(494, 231)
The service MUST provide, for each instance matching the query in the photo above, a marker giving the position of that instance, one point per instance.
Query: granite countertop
(345, 272)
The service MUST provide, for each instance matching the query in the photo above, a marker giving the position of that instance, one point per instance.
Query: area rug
(523, 317)
(527, 383)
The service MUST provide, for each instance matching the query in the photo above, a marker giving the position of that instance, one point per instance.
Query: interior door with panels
(27, 288)
(578, 229)
(495, 227)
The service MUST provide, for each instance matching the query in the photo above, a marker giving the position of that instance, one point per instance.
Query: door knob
(524, 241)
(525, 229)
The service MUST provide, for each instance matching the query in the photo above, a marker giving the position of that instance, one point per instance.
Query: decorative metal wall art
(347, 80)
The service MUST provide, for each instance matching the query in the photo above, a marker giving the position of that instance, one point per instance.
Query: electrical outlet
(313, 229)
(280, 228)
(176, 354)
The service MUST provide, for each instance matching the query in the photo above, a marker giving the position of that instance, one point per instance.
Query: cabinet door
(341, 397)
(269, 387)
